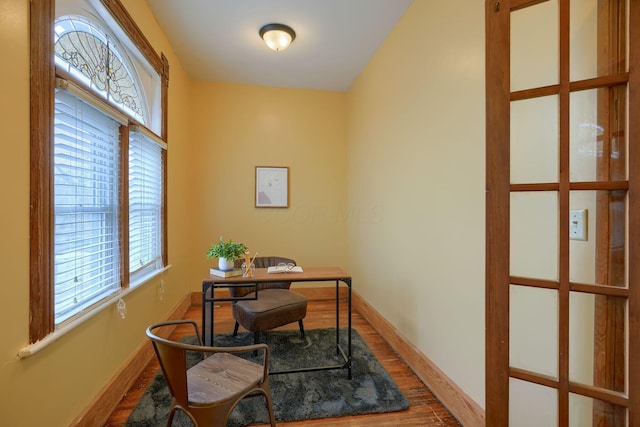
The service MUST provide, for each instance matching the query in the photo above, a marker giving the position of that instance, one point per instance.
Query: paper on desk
(285, 269)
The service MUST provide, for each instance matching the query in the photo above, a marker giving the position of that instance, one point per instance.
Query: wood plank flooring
(425, 409)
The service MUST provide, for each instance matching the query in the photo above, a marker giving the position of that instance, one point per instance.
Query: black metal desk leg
(337, 317)
(212, 308)
(202, 325)
(207, 314)
(349, 324)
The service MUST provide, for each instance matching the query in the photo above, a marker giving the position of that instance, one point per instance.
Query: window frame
(42, 83)
(81, 283)
(141, 143)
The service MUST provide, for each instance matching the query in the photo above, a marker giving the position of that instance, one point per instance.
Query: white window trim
(82, 94)
(149, 134)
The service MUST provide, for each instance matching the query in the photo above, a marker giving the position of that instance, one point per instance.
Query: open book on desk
(285, 269)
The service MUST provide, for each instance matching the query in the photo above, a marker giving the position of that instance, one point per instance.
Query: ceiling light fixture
(277, 36)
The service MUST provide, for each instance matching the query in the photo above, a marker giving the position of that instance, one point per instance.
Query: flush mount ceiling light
(277, 36)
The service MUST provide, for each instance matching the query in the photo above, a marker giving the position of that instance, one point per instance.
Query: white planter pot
(225, 264)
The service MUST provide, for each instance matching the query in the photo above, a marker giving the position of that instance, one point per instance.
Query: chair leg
(235, 329)
(301, 328)
(267, 397)
(172, 412)
(255, 341)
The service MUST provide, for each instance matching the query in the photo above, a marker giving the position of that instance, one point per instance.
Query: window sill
(32, 349)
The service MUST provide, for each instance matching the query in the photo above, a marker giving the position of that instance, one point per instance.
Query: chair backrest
(173, 361)
(264, 262)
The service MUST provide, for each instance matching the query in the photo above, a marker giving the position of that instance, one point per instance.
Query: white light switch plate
(578, 225)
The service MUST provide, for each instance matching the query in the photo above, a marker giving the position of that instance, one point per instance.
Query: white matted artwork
(272, 187)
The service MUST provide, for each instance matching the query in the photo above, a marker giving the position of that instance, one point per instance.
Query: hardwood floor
(424, 410)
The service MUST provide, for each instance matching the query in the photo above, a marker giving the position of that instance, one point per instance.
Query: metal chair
(208, 391)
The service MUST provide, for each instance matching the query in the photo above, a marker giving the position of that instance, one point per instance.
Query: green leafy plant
(228, 250)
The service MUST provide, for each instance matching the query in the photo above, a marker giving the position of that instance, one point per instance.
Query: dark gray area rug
(298, 396)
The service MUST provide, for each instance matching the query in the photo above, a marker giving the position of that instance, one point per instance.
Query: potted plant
(226, 252)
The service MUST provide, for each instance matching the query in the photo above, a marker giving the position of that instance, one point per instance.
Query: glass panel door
(561, 293)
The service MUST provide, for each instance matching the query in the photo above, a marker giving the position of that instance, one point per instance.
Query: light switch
(578, 225)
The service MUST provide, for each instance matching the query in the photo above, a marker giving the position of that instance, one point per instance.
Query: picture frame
(272, 187)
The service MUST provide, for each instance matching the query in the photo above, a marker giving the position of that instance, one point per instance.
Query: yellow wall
(416, 161)
(389, 176)
(63, 378)
(217, 135)
(238, 127)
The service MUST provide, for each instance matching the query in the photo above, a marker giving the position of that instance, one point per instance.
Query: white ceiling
(218, 40)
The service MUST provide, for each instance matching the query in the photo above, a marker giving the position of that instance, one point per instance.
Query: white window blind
(145, 203)
(86, 219)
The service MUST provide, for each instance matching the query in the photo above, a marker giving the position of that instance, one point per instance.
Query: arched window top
(94, 57)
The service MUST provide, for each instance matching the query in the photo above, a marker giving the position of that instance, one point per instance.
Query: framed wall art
(272, 187)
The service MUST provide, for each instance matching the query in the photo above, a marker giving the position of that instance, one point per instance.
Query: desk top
(309, 274)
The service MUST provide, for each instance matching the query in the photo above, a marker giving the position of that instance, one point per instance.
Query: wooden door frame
(609, 370)
(497, 41)
(634, 213)
(498, 188)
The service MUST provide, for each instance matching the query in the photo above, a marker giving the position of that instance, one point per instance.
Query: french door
(563, 213)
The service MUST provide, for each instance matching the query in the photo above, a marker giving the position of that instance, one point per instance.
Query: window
(145, 202)
(86, 205)
(97, 184)
(94, 58)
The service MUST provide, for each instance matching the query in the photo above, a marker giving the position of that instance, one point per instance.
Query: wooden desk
(309, 274)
